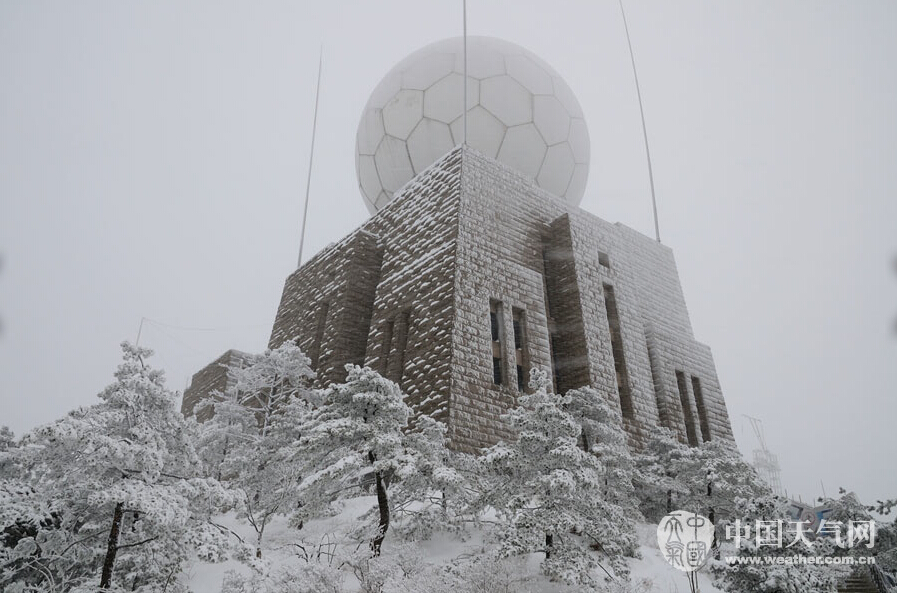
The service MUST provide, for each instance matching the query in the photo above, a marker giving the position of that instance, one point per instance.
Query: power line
(193, 328)
(188, 328)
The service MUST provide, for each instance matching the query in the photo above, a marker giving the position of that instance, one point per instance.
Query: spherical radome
(519, 111)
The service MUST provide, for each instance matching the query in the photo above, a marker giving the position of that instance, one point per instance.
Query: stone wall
(504, 218)
(410, 293)
(214, 377)
(326, 305)
(387, 293)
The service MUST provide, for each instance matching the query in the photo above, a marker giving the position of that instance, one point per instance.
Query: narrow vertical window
(702, 410)
(552, 325)
(686, 409)
(496, 371)
(520, 351)
(495, 322)
(616, 343)
(656, 383)
(549, 314)
(320, 326)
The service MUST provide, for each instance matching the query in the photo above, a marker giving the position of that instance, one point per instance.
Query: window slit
(616, 341)
(686, 409)
(521, 353)
(702, 409)
(497, 331)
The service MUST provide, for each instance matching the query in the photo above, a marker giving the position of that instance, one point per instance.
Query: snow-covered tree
(883, 507)
(358, 438)
(115, 491)
(604, 436)
(430, 493)
(795, 541)
(715, 476)
(656, 477)
(705, 479)
(22, 515)
(849, 514)
(886, 547)
(253, 420)
(550, 492)
(8, 458)
(7, 438)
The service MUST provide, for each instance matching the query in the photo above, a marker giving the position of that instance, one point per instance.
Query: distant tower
(477, 265)
(765, 462)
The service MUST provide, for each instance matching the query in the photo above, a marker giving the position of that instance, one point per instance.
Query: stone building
(473, 275)
(478, 266)
(214, 378)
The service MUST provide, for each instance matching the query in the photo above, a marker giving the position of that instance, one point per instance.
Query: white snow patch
(651, 573)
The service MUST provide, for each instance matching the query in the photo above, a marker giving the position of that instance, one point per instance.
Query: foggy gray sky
(153, 160)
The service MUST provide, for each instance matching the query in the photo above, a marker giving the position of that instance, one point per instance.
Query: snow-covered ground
(445, 561)
(655, 573)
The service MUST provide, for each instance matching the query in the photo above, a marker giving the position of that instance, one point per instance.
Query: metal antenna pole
(137, 342)
(139, 330)
(311, 155)
(464, 104)
(644, 128)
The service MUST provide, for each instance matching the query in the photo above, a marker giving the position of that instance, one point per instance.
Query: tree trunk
(112, 547)
(712, 517)
(258, 540)
(549, 542)
(383, 504)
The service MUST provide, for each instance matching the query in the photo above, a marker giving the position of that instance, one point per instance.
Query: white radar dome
(520, 112)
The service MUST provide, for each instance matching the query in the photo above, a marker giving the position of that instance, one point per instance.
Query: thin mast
(464, 103)
(311, 155)
(139, 330)
(641, 110)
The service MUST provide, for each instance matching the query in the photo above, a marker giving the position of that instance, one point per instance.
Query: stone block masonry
(387, 290)
(472, 276)
(212, 379)
(505, 222)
